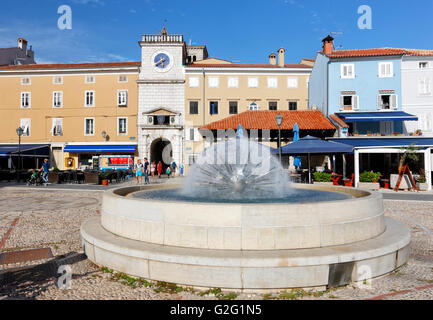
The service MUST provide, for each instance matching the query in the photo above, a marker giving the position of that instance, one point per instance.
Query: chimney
(22, 44)
(281, 57)
(328, 44)
(273, 59)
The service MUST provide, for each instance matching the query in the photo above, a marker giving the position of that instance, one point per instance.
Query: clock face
(161, 61)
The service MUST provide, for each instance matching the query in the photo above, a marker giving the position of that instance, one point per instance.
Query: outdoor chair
(349, 182)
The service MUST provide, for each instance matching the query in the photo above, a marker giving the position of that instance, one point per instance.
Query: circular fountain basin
(163, 219)
(246, 245)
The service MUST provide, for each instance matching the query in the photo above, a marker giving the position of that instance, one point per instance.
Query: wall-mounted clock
(162, 61)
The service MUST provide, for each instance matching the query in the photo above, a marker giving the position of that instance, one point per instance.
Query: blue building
(362, 87)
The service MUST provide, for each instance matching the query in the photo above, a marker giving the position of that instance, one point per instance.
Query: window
(293, 105)
(25, 99)
(57, 80)
(424, 86)
(273, 105)
(347, 71)
(349, 102)
(89, 127)
(253, 82)
(214, 82)
(387, 102)
(292, 82)
(25, 81)
(233, 82)
(122, 78)
(122, 126)
(272, 82)
(25, 125)
(253, 106)
(213, 107)
(193, 107)
(57, 127)
(122, 98)
(191, 134)
(57, 99)
(423, 65)
(90, 79)
(307, 82)
(194, 82)
(386, 70)
(233, 107)
(89, 99)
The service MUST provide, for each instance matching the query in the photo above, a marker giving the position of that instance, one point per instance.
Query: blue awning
(377, 116)
(313, 145)
(386, 142)
(32, 150)
(103, 148)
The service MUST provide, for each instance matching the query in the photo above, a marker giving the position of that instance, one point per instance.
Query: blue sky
(236, 30)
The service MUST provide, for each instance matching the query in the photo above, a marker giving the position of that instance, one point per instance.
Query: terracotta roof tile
(307, 120)
(72, 65)
(378, 52)
(338, 121)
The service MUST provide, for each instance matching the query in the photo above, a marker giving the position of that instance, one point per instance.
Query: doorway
(161, 150)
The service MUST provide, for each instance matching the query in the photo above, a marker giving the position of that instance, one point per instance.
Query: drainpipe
(204, 98)
(427, 168)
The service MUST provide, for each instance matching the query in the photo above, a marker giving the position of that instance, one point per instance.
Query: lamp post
(20, 132)
(279, 119)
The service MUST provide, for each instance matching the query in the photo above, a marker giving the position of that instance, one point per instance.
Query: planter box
(405, 182)
(369, 185)
(53, 177)
(91, 177)
(422, 186)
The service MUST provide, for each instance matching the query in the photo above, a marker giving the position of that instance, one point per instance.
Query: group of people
(148, 169)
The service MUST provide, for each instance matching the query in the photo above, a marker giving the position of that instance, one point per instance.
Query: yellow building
(63, 105)
(232, 88)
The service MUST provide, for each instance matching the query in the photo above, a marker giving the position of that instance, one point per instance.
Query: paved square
(48, 218)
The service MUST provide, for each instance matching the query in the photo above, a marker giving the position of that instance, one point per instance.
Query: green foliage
(294, 294)
(219, 294)
(369, 176)
(322, 177)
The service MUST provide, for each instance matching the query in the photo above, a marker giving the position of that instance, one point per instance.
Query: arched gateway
(161, 149)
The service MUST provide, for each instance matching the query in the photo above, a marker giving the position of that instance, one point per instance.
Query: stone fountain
(236, 223)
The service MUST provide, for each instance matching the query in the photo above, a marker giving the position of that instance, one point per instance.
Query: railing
(152, 38)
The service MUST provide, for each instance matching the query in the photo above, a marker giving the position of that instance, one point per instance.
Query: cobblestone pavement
(42, 218)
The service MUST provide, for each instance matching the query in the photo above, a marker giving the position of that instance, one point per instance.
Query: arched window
(194, 58)
(253, 106)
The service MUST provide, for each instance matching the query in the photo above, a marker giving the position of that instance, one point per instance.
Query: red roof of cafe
(307, 120)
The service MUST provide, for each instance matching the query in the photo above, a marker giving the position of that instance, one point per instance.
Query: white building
(417, 95)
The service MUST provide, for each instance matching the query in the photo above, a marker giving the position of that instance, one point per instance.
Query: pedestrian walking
(46, 170)
(168, 172)
(146, 170)
(181, 169)
(173, 168)
(152, 170)
(139, 171)
(159, 169)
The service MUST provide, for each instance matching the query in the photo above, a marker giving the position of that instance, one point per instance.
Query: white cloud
(98, 2)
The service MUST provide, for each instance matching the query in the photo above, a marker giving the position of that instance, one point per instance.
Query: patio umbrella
(297, 160)
(312, 145)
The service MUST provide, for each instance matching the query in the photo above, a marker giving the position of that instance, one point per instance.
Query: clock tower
(161, 98)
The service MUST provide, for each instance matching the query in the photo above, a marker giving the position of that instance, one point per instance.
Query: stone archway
(161, 149)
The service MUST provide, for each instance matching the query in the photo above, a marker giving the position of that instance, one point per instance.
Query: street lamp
(20, 132)
(279, 119)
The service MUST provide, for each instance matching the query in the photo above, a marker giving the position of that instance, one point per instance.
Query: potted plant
(104, 179)
(409, 153)
(355, 134)
(322, 177)
(369, 133)
(418, 132)
(369, 180)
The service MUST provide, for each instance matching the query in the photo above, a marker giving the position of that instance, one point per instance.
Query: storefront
(100, 156)
(30, 155)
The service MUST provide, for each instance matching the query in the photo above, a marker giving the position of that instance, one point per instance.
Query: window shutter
(394, 104)
(196, 134)
(355, 102)
(341, 103)
(379, 102)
